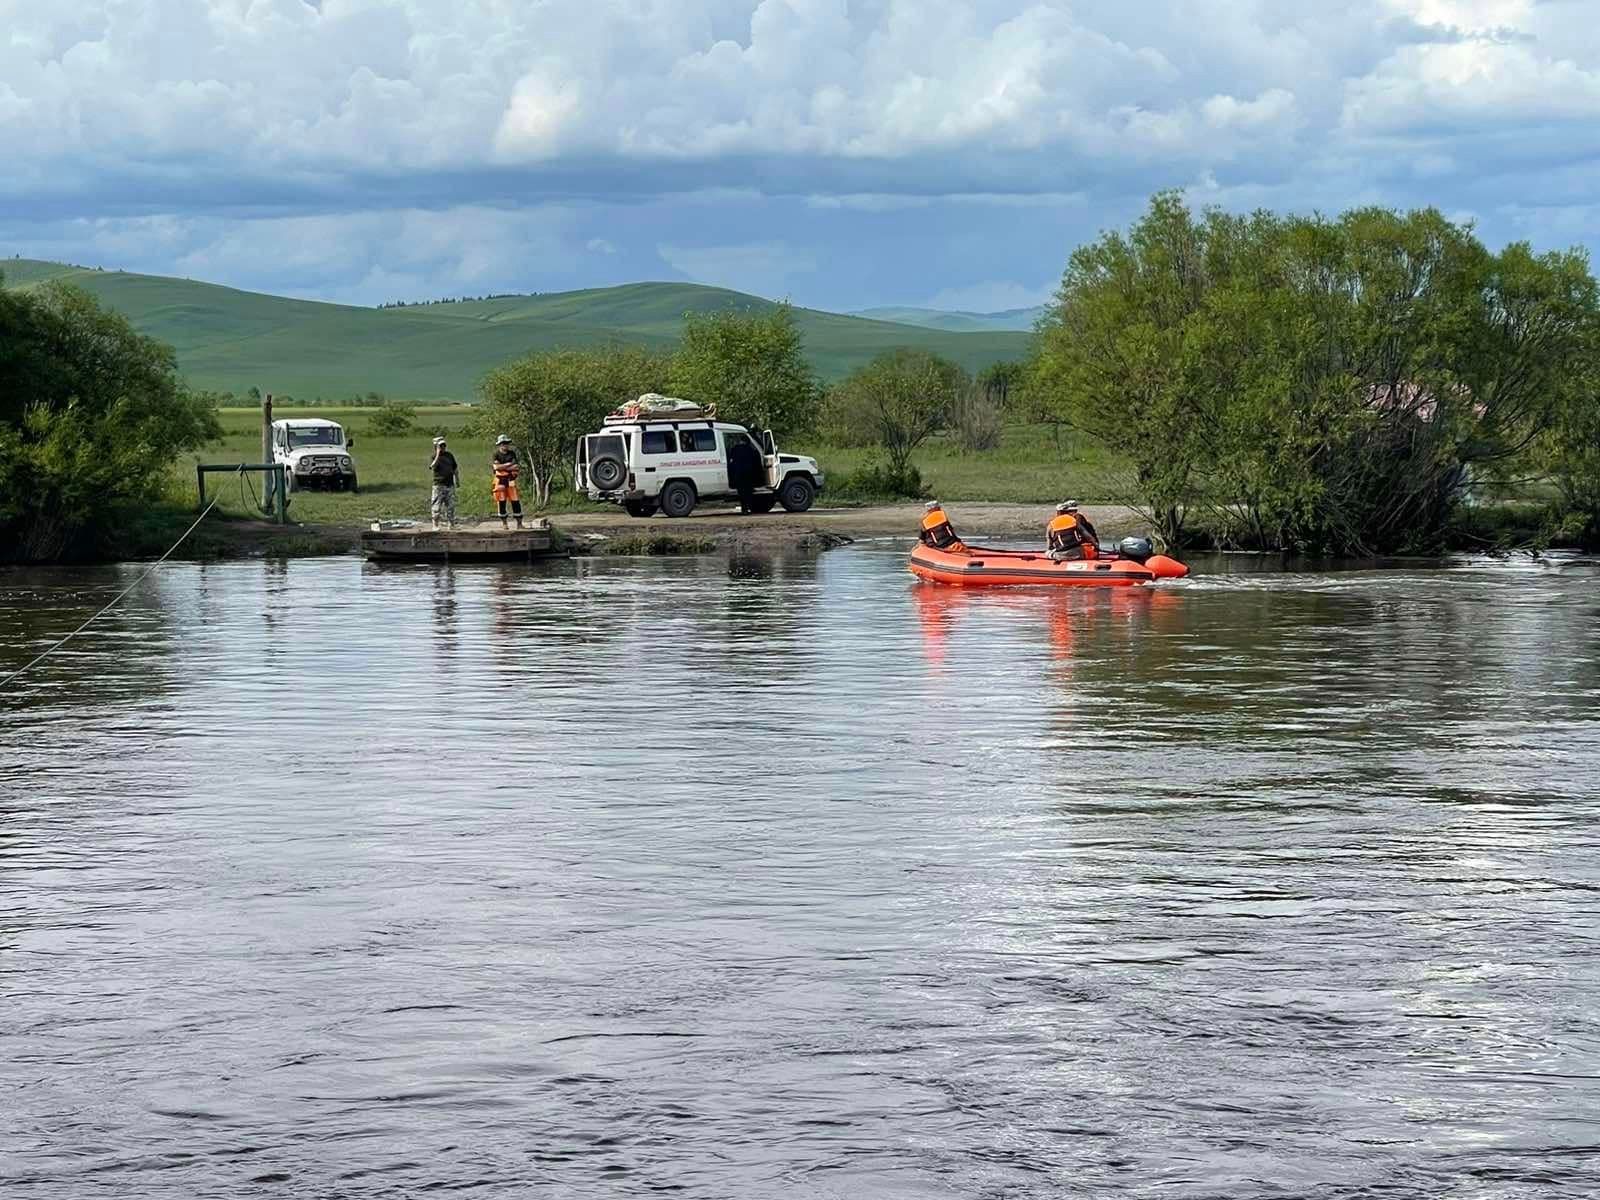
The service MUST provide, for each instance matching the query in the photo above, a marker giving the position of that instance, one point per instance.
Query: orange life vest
(1065, 531)
(937, 532)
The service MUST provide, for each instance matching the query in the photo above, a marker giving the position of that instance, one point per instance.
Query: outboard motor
(1135, 549)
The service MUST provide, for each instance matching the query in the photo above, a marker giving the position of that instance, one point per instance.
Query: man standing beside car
(744, 467)
(446, 478)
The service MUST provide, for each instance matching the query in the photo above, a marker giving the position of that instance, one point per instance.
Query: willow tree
(1308, 383)
(92, 416)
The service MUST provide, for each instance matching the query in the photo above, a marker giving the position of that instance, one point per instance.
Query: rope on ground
(51, 649)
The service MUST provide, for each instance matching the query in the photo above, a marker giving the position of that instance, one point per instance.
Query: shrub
(92, 416)
(879, 481)
(393, 420)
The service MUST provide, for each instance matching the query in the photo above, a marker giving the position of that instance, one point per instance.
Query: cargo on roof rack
(655, 407)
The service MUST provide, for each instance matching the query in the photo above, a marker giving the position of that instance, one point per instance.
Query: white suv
(316, 453)
(671, 458)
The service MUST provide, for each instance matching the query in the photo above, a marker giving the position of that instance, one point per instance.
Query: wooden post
(200, 484)
(271, 477)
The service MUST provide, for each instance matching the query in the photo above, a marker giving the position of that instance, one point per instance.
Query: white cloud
(208, 120)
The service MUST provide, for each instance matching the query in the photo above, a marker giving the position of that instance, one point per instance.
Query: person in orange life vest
(1070, 535)
(936, 530)
(506, 470)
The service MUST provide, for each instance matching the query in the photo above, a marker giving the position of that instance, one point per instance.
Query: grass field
(228, 340)
(1027, 468)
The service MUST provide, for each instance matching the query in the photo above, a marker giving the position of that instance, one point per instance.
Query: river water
(792, 878)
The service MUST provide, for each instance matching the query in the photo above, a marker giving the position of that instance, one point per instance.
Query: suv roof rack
(651, 408)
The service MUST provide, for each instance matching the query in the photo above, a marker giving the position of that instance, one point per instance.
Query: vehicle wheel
(797, 493)
(607, 473)
(762, 504)
(291, 482)
(639, 508)
(677, 499)
(350, 485)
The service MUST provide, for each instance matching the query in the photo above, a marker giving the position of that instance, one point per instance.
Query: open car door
(769, 458)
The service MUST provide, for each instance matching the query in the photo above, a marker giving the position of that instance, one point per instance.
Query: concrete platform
(486, 541)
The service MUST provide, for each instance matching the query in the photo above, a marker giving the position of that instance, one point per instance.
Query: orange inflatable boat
(942, 557)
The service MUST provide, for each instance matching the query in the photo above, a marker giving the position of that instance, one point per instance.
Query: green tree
(1331, 385)
(549, 399)
(92, 416)
(896, 402)
(752, 366)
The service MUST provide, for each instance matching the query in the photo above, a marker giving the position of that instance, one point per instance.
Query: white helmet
(1067, 506)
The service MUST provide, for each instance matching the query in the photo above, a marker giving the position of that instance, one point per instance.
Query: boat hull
(978, 567)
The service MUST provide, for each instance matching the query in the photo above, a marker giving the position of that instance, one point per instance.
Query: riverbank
(713, 529)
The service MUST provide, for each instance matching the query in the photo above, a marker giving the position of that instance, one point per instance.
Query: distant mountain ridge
(230, 340)
(1017, 320)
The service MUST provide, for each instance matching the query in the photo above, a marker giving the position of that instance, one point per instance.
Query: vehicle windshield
(315, 435)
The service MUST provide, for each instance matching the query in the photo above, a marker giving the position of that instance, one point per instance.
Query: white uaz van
(316, 453)
(669, 455)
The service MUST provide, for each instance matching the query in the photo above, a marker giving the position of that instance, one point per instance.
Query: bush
(878, 481)
(92, 416)
(393, 420)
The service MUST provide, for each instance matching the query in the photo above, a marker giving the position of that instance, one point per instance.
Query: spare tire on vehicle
(607, 472)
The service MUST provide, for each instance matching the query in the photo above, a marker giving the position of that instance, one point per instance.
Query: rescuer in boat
(1070, 535)
(936, 530)
(506, 470)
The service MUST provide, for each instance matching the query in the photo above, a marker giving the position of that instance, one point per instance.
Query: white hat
(438, 441)
(1067, 506)
(501, 438)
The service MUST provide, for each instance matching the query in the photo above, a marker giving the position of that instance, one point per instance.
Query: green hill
(229, 340)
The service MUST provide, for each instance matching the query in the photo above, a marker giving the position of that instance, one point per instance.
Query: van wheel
(606, 473)
(639, 508)
(797, 493)
(677, 499)
(350, 485)
(762, 504)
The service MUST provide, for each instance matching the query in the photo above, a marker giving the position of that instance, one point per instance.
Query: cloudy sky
(844, 153)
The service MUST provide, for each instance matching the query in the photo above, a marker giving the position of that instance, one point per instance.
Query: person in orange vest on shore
(936, 530)
(506, 470)
(1070, 535)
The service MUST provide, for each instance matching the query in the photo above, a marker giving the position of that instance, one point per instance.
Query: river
(792, 878)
